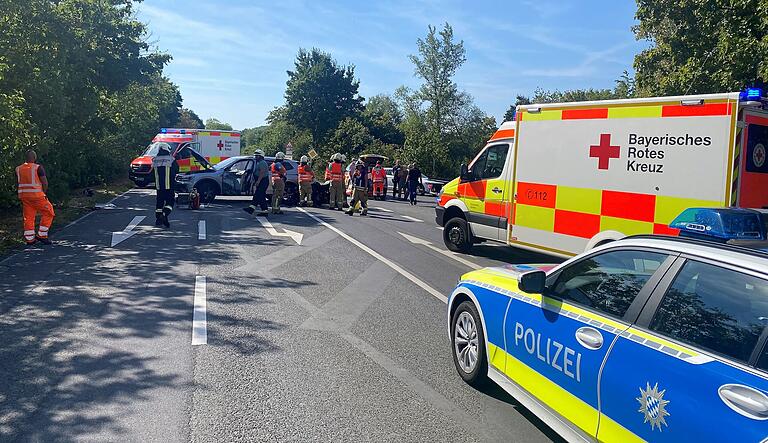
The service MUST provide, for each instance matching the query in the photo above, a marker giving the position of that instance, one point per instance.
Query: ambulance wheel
(456, 235)
(468, 344)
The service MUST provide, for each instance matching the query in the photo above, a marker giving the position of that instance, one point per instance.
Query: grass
(77, 205)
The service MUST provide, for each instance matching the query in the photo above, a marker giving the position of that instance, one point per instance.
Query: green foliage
(701, 46)
(519, 100)
(320, 94)
(383, 117)
(188, 119)
(213, 123)
(79, 84)
(350, 137)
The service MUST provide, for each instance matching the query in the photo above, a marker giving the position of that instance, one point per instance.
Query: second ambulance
(563, 178)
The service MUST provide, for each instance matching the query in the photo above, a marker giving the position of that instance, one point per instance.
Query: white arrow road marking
(296, 236)
(432, 291)
(376, 208)
(199, 316)
(128, 232)
(425, 243)
(412, 219)
(201, 230)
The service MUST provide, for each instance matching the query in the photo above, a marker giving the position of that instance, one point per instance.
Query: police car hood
(508, 271)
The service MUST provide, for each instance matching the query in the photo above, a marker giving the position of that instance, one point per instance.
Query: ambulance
(564, 178)
(193, 149)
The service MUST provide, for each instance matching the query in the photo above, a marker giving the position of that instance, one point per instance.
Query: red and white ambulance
(563, 178)
(194, 149)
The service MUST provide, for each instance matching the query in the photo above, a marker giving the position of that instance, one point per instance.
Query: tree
(213, 123)
(188, 119)
(701, 46)
(519, 100)
(350, 137)
(438, 60)
(320, 94)
(382, 117)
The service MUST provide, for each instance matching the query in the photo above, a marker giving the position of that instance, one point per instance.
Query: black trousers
(164, 202)
(260, 195)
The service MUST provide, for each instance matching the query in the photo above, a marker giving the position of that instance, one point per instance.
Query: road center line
(201, 230)
(408, 217)
(432, 291)
(199, 317)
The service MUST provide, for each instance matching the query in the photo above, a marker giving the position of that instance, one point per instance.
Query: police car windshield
(152, 149)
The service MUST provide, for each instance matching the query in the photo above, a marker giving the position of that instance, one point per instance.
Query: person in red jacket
(306, 177)
(379, 176)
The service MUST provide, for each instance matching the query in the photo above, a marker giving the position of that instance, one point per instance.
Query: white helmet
(304, 159)
(343, 157)
(279, 156)
(337, 156)
(258, 152)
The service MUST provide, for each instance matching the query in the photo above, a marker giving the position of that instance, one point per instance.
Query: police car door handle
(745, 400)
(589, 337)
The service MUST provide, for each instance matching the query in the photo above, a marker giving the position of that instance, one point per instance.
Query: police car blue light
(720, 224)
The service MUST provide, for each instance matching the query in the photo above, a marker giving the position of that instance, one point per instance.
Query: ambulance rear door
(751, 148)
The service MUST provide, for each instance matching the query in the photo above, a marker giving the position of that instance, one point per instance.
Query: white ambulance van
(563, 178)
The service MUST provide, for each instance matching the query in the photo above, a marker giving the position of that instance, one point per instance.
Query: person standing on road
(306, 177)
(165, 168)
(278, 182)
(395, 178)
(335, 172)
(359, 189)
(261, 182)
(33, 184)
(414, 179)
(379, 177)
(402, 179)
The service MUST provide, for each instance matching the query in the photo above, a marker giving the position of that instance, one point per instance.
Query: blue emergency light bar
(173, 131)
(720, 224)
(751, 94)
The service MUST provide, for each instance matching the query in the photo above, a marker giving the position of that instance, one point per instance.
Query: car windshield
(152, 149)
(226, 163)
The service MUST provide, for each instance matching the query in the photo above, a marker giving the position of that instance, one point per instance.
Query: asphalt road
(342, 337)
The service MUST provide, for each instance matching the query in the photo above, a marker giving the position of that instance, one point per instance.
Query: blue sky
(230, 57)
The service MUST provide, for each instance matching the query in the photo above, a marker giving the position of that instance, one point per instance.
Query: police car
(647, 338)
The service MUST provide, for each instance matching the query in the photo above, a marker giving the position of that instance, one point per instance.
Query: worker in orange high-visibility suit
(379, 175)
(33, 184)
(306, 177)
(335, 171)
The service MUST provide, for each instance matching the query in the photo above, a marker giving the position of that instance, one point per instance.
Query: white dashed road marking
(432, 291)
(429, 245)
(199, 316)
(201, 230)
(376, 208)
(126, 233)
(407, 217)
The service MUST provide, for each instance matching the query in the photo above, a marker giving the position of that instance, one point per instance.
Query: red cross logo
(604, 151)
(220, 145)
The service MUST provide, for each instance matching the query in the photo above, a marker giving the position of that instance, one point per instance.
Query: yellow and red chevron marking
(584, 212)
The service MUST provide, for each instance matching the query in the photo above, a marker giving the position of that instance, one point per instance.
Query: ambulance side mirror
(464, 174)
(533, 282)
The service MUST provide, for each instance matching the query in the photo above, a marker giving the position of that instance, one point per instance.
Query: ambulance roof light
(164, 130)
(751, 94)
(534, 110)
(720, 224)
(692, 102)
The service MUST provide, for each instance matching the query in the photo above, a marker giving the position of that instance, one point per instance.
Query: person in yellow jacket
(32, 186)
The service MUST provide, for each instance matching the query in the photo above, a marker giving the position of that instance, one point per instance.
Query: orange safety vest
(379, 175)
(278, 173)
(335, 171)
(29, 182)
(305, 174)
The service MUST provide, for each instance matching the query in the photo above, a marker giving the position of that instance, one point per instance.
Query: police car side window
(607, 282)
(184, 153)
(714, 308)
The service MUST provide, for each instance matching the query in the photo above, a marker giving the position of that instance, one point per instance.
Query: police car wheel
(456, 235)
(468, 344)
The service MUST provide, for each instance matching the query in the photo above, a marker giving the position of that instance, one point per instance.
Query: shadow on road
(493, 390)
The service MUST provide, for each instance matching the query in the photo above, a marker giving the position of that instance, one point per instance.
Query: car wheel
(468, 344)
(456, 235)
(207, 192)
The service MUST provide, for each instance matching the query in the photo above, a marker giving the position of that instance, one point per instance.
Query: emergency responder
(261, 182)
(359, 189)
(165, 168)
(379, 176)
(278, 182)
(33, 184)
(306, 177)
(414, 180)
(335, 172)
(395, 178)
(402, 179)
